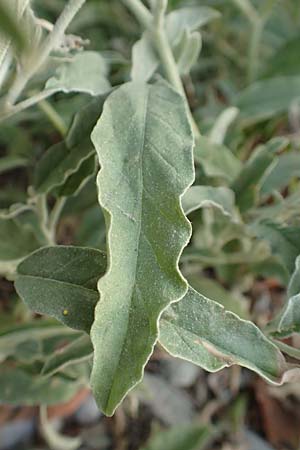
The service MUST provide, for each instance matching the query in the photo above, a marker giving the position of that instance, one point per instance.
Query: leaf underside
(144, 143)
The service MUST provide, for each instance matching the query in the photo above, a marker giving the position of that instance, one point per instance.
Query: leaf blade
(141, 169)
(60, 282)
(208, 331)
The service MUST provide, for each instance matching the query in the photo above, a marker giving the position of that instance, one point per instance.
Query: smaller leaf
(144, 59)
(86, 72)
(207, 196)
(61, 282)
(289, 321)
(284, 210)
(216, 160)
(92, 231)
(202, 331)
(16, 339)
(78, 179)
(294, 285)
(190, 19)
(190, 437)
(67, 165)
(77, 351)
(189, 51)
(247, 185)
(219, 130)
(267, 98)
(20, 387)
(287, 167)
(283, 240)
(285, 60)
(16, 240)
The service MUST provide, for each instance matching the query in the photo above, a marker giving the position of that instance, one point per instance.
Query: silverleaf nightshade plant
(111, 304)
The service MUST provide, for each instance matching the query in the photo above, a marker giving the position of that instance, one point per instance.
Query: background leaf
(86, 72)
(200, 330)
(204, 196)
(267, 98)
(192, 437)
(60, 282)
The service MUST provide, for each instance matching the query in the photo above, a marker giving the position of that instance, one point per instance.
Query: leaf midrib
(135, 284)
(65, 283)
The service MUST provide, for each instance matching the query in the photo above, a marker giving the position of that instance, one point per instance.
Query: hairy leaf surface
(77, 351)
(145, 60)
(284, 240)
(144, 143)
(202, 196)
(66, 166)
(202, 331)
(19, 386)
(268, 98)
(86, 72)
(60, 282)
(16, 240)
(216, 160)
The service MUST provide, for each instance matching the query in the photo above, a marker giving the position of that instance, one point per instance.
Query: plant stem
(163, 48)
(55, 215)
(54, 39)
(51, 42)
(249, 11)
(43, 215)
(19, 107)
(54, 117)
(4, 67)
(254, 49)
(48, 223)
(257, 23)
(141, 13)
(167, 59)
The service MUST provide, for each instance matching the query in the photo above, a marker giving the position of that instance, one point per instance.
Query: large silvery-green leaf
(61, 282)
(202, 331)
(144, 143)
